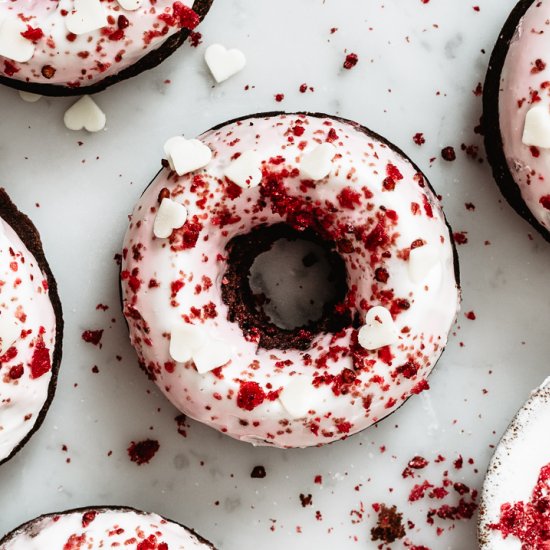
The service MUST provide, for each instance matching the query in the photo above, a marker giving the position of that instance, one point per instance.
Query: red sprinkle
(92, 336)
(40, 362)
(351, 60)
(448, 154)
(250, 396)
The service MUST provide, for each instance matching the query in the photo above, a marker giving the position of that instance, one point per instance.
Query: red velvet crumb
(351, 60)
(250, 396)
(142, 452)
(92, 336)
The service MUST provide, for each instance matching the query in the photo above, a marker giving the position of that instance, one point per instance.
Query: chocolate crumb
(142, 452)
(258, 472)
(389, 527)
(448, 154)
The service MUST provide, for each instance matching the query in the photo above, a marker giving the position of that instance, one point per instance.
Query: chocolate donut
(514, 511)
(31, 330)
(516, 112)
(227, 197)
(75, 47)
(96, 528)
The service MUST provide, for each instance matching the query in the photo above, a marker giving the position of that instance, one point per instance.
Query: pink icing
(525, 82)
(25, 368)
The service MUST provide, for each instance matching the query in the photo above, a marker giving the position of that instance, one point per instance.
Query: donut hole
(283, 286)
(295, 295)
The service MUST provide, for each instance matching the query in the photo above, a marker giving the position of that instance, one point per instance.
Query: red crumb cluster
(528, 521)
(389, 526)
(448, 500)
(143, 452)
(351, 60)
(92, 336)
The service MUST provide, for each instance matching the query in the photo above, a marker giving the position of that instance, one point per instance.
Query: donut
(516, 112)
(230, 195)
(31, 328)
(514, 510)
(75, 47)
(95, 528)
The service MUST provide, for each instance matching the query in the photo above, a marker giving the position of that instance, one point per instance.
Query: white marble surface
(418, 66)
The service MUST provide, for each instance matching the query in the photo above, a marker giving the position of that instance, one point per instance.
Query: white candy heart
(422, 260)
(130, 5)
(379, 329)
(10, 331)
(317, 164)
(186, 155)
(245, 171)
(190, 343)
(86, 16)
(28, 97)
(85, 114)
(297, 397)
(537, 127)
(12, 44)
(184, 341)
(224, 63)
(170, 215)
(211, 356)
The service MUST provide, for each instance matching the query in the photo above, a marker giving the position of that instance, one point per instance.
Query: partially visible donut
(514, 511)
(31, 330)
(103, 527)
(516, 112)
(190, 310)
(74, 47)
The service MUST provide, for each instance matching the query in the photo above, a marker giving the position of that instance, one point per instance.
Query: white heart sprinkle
(211, 356)
(85, 114)
(224, 63)
(317, 164)
(12, 44)
(537, 127)
(130, 5)
(170, 215)
(86, 16)
(297, 396)
(422, 260)
(190, 343)
(246, 170)
(379, 329)
(184, 341)
(28, 97)
(186, 155)
(10, 331)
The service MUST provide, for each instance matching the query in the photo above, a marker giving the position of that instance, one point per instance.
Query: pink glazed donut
(101, 528)
(516, 112)
(31, 330)
(74, 47)
(228, 196)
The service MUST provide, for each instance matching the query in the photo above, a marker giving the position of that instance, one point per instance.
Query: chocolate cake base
(30, 237)
(149, 61)
(491, 119)
(250, 316)
(29, 526)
